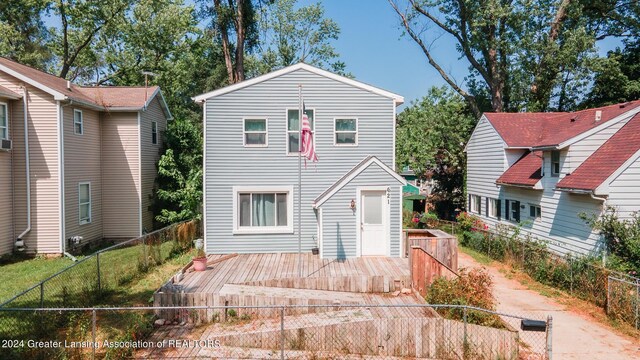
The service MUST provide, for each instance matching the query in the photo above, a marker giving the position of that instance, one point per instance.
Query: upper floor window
(84, 203)
(78, 126)
(346, 132)
(475, 204)
(293, 129)
(555, 163)
(255, 132)
(154, 132)
(4, 121)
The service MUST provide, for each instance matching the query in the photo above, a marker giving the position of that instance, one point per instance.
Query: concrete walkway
(574, 336)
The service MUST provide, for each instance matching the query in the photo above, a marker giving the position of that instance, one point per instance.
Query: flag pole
(300, 180)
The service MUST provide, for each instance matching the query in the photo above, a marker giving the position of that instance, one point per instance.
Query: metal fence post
(608, 294)
(42, 294)
(549, 337)
(93, 334)
(282, 333)
(98, 269)
(637, 304)
(464, 317)
(571, 274)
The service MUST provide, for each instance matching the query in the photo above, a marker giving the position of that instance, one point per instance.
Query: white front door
(373, 232)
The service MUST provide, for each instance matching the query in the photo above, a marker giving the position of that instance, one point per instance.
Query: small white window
(535, 211)
(78, 122)
(346, 132)
(293, 129)
(555, 163)
(4, 121)
(255, 132)
(475, 204)
(263, 209)
(154, 132)
(84, 203)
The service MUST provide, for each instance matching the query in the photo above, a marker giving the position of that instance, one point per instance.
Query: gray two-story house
(351, 198)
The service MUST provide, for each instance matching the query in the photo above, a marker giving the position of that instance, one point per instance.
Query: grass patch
(479, 257)
(18, 273)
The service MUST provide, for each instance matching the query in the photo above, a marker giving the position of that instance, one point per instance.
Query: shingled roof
(606, 160)
(530, 130)
(107, 97)
(524, 172)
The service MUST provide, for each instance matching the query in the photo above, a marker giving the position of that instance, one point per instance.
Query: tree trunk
(240, 31)
(222, 26)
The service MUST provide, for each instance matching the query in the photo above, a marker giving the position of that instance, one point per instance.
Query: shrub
(622, 238)
(472, 288)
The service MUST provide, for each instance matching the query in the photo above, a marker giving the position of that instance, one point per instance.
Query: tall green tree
(617, 77)
(290, 35)
(522, 54)
(179, 191)
(24, 34)
(430, 135)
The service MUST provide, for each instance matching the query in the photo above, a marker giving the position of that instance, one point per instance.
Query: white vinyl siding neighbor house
(556, 167)
(251, 165)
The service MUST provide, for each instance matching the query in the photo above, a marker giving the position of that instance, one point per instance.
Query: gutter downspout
(604, 204)
(27, 167)
(62, 190)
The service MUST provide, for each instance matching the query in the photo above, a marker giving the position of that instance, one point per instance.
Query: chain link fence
(92, 279)
(616, 292)
(273, 332)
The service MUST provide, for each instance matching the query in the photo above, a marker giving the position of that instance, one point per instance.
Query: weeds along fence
(273, 332)
(92, 279)
(617, 293)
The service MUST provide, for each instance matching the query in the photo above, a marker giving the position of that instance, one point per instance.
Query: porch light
(352, 206)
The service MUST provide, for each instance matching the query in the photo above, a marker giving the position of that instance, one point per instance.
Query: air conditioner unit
(6, 145)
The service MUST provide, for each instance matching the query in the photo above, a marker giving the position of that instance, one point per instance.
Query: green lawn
(18, 275)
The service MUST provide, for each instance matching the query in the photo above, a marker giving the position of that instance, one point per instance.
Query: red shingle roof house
(542, 169)
(77, 164)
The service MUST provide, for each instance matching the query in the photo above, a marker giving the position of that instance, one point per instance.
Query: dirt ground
(575, 335)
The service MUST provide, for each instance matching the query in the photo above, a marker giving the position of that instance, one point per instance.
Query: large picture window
(293, 129)
(263, 209)
(4, 121)
(84, 203)
(346, 132)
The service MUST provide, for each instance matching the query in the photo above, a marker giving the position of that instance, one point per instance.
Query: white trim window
(555, 163)
(78, 122)
(4, 121)
(84, 203)
(263, 209)
(154, 132)
(345, 132)
(535, 212)
(476, 204)
(293, 130)
(255, 133)
(494, 208)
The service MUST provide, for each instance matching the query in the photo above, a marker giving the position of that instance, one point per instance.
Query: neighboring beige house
(77, 163)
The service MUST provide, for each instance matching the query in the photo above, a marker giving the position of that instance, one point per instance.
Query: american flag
(308, 150)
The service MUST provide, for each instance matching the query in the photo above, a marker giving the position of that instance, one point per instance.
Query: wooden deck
(383, 274)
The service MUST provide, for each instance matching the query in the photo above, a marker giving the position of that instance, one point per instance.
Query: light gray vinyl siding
(624, 191)
(229, 163)
(340, 223)
(149, 156)
(485, 160)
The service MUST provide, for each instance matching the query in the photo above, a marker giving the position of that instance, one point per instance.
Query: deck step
(338, 297)
(351, 283)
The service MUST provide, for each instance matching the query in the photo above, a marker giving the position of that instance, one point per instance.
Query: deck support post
(282, 333)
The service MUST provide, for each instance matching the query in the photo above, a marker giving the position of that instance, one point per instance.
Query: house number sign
(388, 195)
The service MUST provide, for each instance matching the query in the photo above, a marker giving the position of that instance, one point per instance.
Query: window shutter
(506, 209)
(517, 214)
(469, 202)
(498, 208)
(486, 206)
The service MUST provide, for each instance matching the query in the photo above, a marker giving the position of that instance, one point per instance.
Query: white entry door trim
(385, 217)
